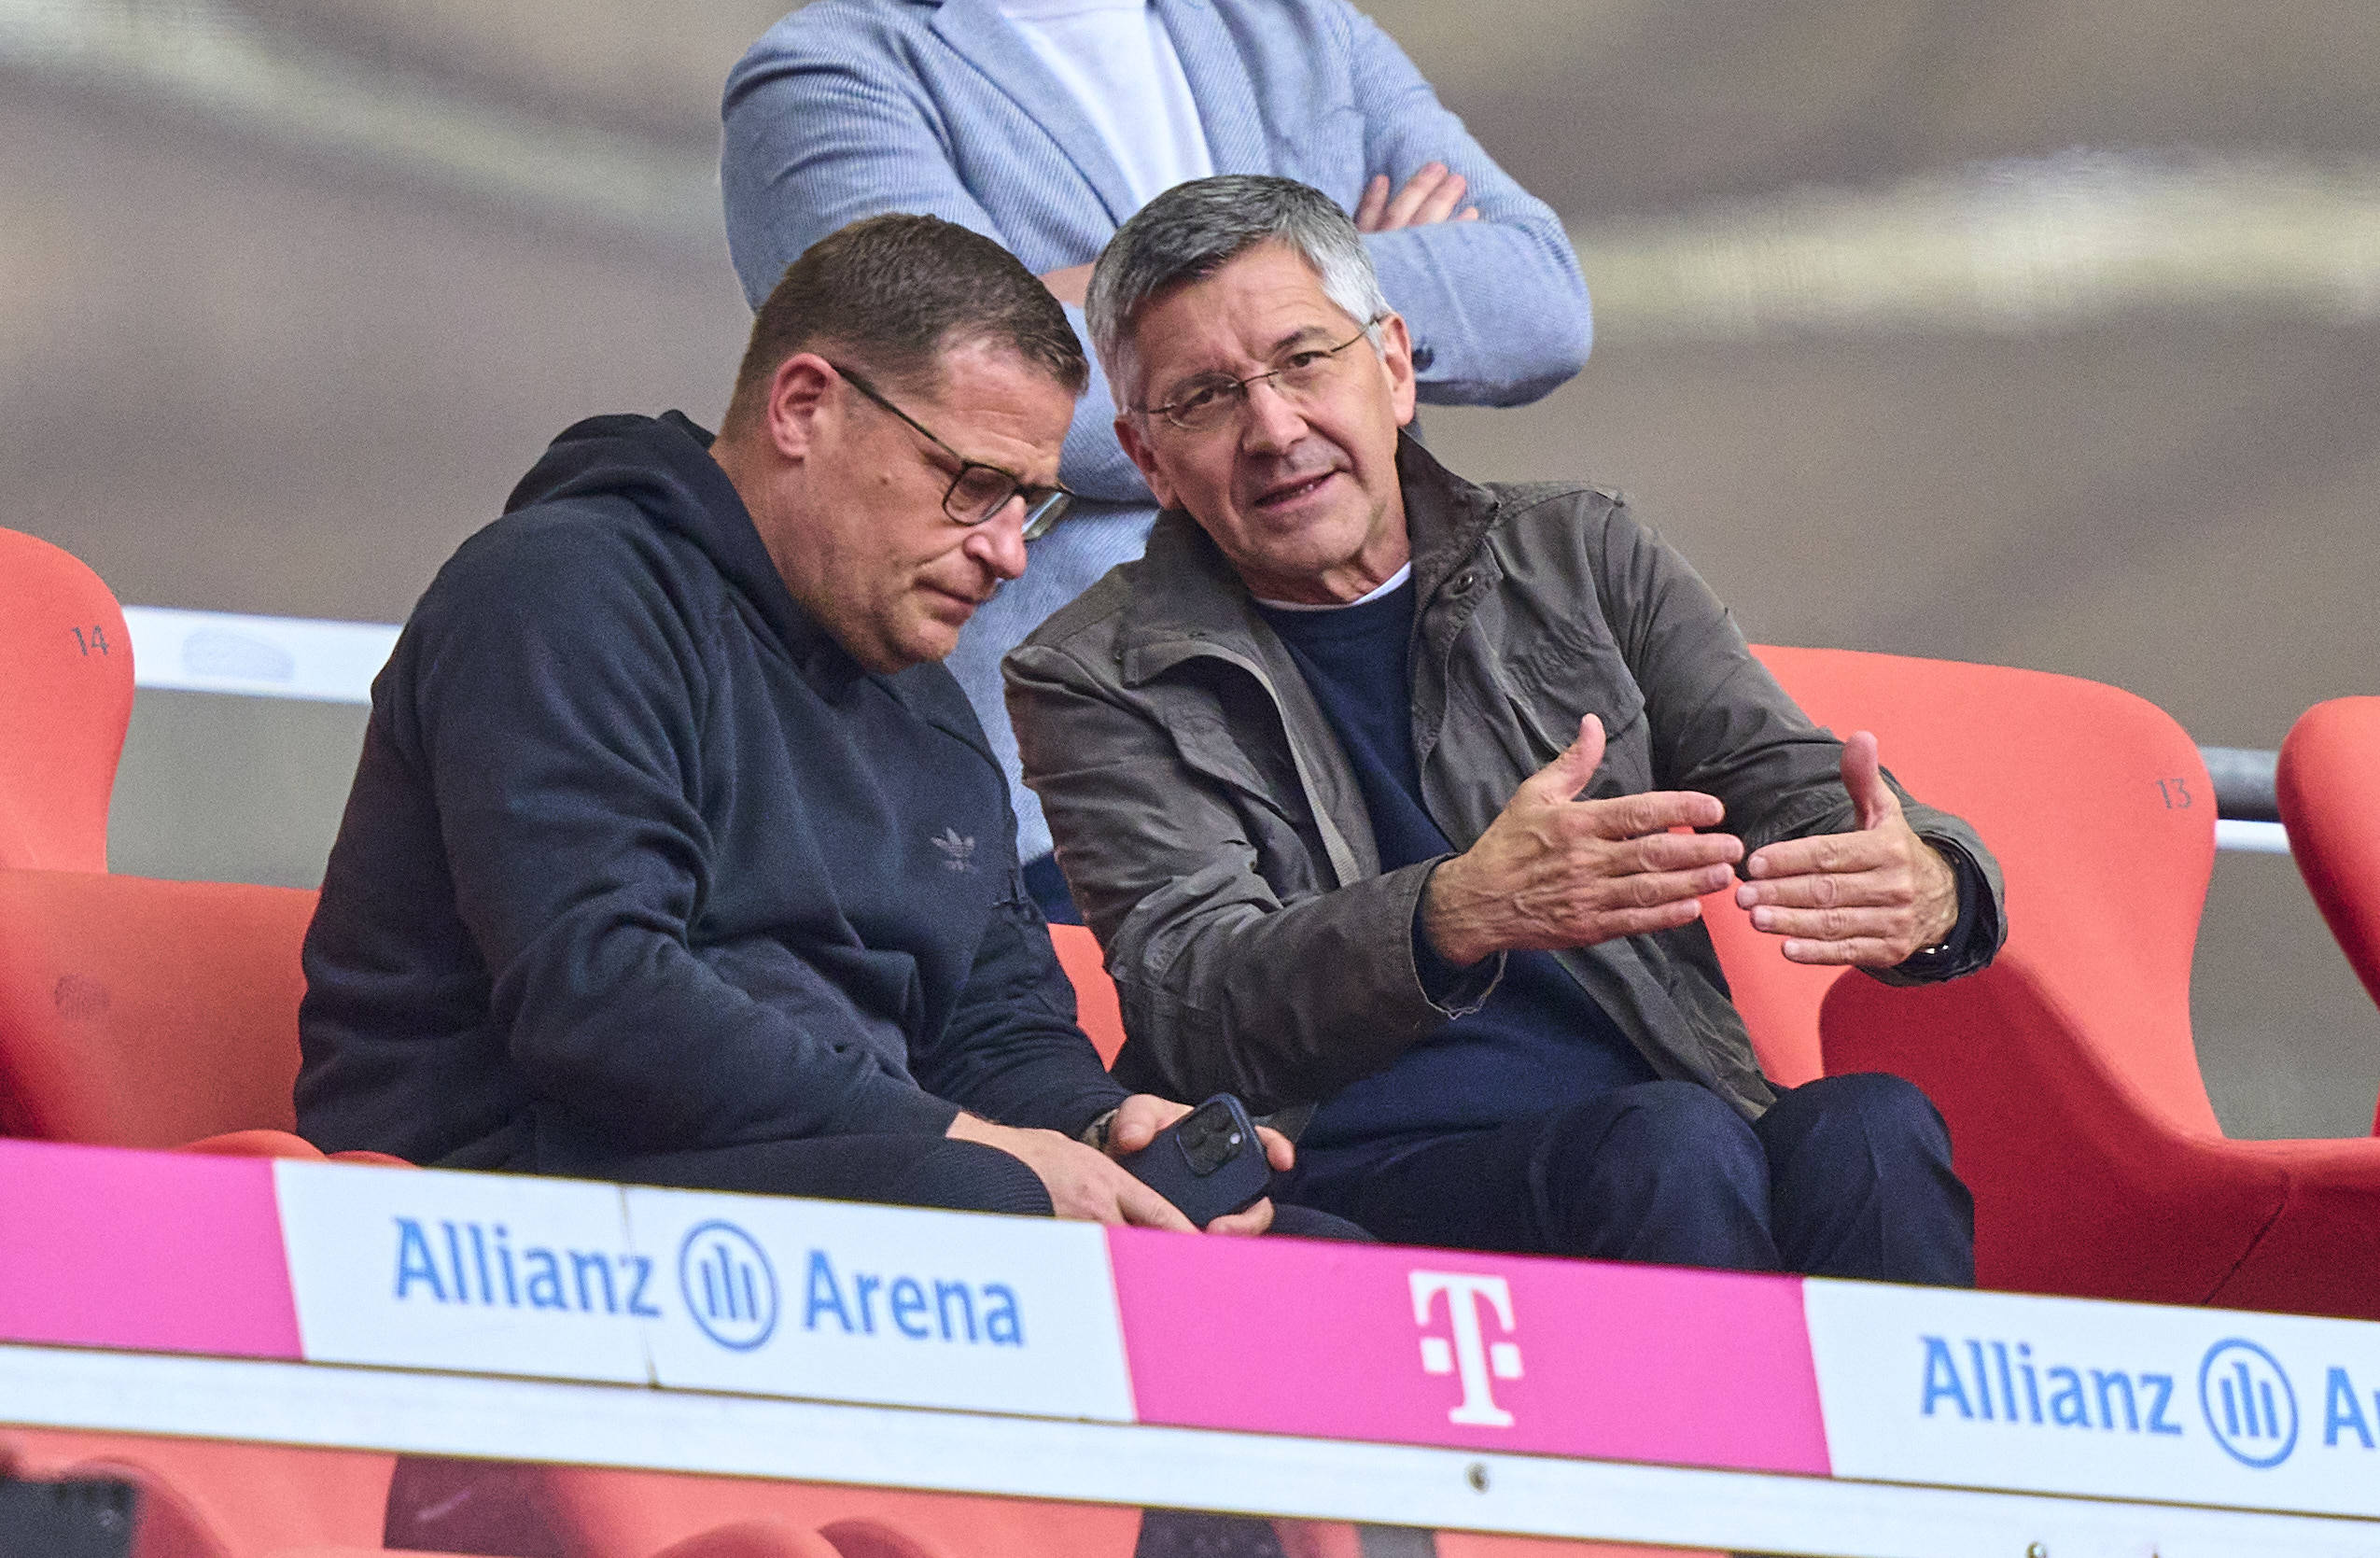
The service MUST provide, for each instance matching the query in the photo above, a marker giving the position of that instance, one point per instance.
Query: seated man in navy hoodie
(674, 854)
(1366, 778)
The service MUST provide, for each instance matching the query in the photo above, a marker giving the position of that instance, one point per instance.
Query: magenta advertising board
(1612, 1362)
(155, 1252)
(544, 1279)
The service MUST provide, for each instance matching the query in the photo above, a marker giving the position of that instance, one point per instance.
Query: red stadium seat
(149, 1014)
(204, 1499)
(1779, 1000)
(636, 1514)
(133, 1012)
(65, 695)
(1466, 1544)
(2066, 1071)
(1096, 1006)
(2330, 792)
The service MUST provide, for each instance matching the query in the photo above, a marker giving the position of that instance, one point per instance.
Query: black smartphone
(1209, 1162)
(83, 1518)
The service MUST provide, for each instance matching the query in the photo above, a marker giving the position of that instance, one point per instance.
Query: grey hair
(1192, 230)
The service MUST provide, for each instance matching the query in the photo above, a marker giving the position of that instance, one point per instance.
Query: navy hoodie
(639, 860)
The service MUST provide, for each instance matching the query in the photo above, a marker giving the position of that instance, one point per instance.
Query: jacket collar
(1187, 597)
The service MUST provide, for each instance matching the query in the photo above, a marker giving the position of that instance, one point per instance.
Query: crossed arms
(835, 116)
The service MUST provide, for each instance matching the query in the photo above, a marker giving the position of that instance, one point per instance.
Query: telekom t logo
(1466, 1355)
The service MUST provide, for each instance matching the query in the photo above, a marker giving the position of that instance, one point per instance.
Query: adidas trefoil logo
(957, 854)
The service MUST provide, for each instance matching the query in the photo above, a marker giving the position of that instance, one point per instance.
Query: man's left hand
(1139, 1117)
(1869, 898)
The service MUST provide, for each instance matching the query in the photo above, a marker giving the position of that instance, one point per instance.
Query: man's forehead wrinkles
(1296, 337)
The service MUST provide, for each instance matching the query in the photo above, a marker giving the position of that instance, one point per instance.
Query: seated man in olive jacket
(1366, 775)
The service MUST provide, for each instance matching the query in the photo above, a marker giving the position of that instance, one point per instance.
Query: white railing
(334, 662)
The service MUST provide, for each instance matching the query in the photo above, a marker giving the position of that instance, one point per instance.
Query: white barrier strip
(334, 662)
(336, 1407)
(271, 657)
(427, 1269)
(2257, 839)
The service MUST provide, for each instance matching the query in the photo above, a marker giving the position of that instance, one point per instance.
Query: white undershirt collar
(1394, 582)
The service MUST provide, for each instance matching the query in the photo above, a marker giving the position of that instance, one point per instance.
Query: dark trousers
(891, 1170)
(1848, 1176)
(895, 1171)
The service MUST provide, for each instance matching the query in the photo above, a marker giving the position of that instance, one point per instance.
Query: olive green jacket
(1217, 841)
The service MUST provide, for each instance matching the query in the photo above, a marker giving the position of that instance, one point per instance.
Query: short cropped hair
(895, 293)
(1192, 230)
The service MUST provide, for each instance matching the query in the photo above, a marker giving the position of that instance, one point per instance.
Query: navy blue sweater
(638, 858)
(1540, 1041)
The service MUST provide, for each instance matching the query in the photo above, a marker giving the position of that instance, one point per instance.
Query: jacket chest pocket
(1523, 701)
(1569, 676)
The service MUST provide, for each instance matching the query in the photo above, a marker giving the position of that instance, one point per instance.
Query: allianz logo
(2246, 1400)
(731, 1290)
(725, 1279)
(475, 1263)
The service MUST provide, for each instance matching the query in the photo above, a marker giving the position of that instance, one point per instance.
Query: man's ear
(797, 399)
(1396, 355)
(1135, 439)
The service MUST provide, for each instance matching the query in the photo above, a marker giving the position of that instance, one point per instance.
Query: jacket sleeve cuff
(1972, 938)
(1451, 991)
(1075, 1114)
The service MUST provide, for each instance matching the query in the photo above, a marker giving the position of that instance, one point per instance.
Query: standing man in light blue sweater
(1046, 123)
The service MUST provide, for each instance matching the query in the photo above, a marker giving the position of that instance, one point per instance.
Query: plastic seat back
(1097, 1007)
(638, 1514)
(2330, 791)
(146, 1014)
(2099, 809)
(65, 696)
(203, 1498)
(1779, 1000)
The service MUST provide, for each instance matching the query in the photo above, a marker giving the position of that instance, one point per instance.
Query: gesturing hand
(1869, 898)
(1138, 1119)
(1430, 195)
(1552, 871)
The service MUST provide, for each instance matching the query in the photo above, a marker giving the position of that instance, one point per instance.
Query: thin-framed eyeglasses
(978, 491)
(1210, 400)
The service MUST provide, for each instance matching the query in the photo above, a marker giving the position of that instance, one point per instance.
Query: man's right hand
(1432, 194)
(1084, 1182)
(1552, 871)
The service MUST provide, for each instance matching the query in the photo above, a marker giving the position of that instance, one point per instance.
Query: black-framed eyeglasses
(978, 491)
(1212, 400)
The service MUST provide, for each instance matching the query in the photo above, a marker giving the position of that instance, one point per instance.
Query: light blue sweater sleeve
(1497, 307)
(823, 127)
